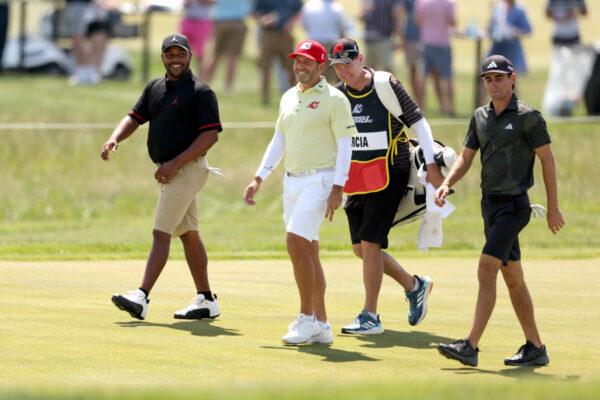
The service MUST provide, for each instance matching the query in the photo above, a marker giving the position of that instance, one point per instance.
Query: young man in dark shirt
(184, 124)
(510, 134)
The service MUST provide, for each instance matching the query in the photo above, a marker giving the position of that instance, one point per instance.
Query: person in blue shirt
(275, 19)
(509, 22)
(413, 49)
(4, 14)
(230, 32)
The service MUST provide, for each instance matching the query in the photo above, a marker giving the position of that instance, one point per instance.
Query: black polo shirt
(178, 111)
(507, 144)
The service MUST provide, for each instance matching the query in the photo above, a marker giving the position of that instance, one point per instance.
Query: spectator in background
(436, 19)
(413, 49)
(325, 22)
(198, 26)
(230, 32)
(383, 22)
(276, 19)
(4, 13)
(508, 23)
(564, 13)
(86, 22)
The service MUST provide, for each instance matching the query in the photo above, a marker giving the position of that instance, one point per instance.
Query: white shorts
(305, 203)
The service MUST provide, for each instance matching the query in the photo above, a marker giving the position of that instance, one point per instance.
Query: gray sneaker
(418, 300)
(364, 324)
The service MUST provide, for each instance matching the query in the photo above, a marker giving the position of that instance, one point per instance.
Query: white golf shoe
(199, 309)
(134, 302)
(324, 336)
(302, 330)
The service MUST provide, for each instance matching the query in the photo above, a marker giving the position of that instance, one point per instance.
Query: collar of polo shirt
(319, 86)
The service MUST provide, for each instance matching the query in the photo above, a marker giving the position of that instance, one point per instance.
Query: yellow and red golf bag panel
(369, 170)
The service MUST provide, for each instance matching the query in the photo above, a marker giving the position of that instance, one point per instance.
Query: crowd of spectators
(423, 30)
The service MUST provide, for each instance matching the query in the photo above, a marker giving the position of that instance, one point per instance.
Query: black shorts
(504, 216)
(370, 216)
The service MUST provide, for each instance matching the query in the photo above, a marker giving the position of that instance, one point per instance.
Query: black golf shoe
(528, 354)
(461, 350)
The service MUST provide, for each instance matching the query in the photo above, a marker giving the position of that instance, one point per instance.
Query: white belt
(308, 172)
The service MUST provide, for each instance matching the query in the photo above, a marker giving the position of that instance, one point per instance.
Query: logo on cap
(492, 65)
(174, 40)
(305, 46)
(338, 47)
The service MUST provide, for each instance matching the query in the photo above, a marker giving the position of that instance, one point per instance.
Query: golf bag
(412, 206)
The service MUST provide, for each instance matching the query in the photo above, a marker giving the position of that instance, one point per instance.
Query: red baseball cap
(310, 49)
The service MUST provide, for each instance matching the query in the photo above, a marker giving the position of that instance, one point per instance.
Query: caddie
(378, 178)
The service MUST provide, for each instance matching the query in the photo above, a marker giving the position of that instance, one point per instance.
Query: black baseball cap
(175, 39)
(497, 64)
(343, 51)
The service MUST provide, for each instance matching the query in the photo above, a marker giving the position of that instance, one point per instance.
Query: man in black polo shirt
(184, 124)
(510, 134)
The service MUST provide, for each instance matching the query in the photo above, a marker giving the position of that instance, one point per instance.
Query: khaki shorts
(379, 54)
(229, 37)
(176, 212)
(275, 44)
(413, 52)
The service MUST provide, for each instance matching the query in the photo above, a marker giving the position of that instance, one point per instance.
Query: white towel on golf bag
(216, 171)
(431, 232)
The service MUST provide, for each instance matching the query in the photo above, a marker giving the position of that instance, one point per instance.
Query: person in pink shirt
(436, 20)
(198, 26)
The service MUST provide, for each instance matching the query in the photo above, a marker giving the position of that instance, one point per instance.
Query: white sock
(373, 315)
(324, 325)
(417, 285)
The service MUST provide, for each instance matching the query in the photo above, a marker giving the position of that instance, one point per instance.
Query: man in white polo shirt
(313, 131)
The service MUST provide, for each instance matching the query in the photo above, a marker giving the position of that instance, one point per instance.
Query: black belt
(494, 197)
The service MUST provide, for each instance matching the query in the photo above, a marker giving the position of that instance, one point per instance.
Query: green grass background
(59, 201)
(61, 338)
(64, 336)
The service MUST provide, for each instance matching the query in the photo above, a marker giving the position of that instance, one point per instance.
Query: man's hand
(440, 194)
(251, 190)
(110, 145)
(434, 175)
(334, 201)
(166, 172)
(555, 220)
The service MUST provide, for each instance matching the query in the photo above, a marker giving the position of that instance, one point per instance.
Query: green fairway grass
(75, 229)
(59, 333)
